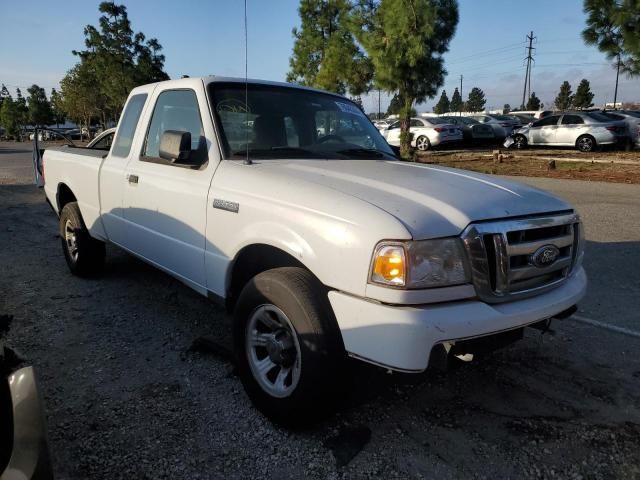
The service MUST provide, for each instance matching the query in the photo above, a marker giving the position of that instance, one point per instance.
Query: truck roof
(189, 81)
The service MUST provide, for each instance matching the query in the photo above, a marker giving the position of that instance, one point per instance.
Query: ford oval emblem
(545, 256)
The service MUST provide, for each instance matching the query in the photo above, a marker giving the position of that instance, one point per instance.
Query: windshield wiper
(362, 152)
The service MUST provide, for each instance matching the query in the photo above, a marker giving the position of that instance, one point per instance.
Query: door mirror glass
(175, 146)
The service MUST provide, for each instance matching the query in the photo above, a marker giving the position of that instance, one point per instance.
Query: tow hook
(545, 325)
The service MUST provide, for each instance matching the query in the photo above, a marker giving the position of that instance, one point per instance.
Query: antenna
(247, 160)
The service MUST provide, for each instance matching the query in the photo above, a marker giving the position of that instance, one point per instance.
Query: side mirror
(175, 146)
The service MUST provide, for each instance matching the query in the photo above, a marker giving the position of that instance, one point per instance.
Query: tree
(394, 105)
(325, 54)
(564, 100)
(120, 59)
(4, 94)
(443, 104)
(9, 117)
(612, 26)
(21, 110)
(40, 113)
(456, 102)
(476, 100)
(533, 103)
(57, 108)
(358, 101)
(584, 96)
(79, 92)
(506, 108)
(406, 40)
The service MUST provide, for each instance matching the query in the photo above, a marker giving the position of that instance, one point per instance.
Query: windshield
(633, 113)
(286, 122)
(502, 117)
(437, 120)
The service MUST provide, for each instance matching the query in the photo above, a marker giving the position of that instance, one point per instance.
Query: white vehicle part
(402, 337)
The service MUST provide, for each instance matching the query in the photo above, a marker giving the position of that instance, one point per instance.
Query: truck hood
(430, 201)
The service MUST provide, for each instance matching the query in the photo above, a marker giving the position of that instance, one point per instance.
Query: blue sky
(206, 37)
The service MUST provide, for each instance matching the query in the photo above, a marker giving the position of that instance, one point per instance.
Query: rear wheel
(586, 143)
(288, 346)
(520, 142)
(422, 143)
(84, 254)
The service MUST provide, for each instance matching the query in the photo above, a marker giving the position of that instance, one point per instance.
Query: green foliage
(40, 113)
(117, 59)
(564, 100)
(80, 96)
(394, 105)
(405, 40)
(584, 96)
(57, 109)
(476, 100)
(506, 108)
(613, 26)
(443, 104)
(325, 54)
(456, 102)
(9, 117)
(533, 103)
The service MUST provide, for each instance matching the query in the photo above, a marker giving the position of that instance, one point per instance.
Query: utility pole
(527, 77)
(378, 105)
(461, 101)
(615, 94)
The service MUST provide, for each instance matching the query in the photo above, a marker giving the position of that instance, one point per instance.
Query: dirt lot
(607, 166)
(127, 396)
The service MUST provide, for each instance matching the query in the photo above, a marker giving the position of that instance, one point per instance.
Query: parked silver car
(503, 125)
(472, 130)
(631, 118)
(582, 130)
(427, 133)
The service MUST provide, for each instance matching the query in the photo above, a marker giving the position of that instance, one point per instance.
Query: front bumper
(402, 337)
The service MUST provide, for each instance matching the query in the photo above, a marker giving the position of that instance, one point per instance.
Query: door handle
(132, 178)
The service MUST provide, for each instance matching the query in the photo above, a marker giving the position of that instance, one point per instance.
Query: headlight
(420, 264)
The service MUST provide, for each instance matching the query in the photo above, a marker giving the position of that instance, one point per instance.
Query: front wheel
(84, 254)
(520, 142)
(586, 143)
(288, 346)
(422, 143)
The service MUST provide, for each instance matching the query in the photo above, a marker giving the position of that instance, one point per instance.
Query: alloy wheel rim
(422, 143)
(273, 351)
(585, 144)
(71, 240)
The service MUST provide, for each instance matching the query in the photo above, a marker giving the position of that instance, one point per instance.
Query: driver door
(543, 132)
(165, 203)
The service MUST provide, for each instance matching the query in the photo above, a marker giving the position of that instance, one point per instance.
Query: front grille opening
(516, 261)
(490, 248)
(531, 235)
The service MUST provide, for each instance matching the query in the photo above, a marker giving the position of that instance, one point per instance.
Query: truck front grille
(516, 258)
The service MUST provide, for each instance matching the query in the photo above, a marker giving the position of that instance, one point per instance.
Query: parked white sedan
(427, 133)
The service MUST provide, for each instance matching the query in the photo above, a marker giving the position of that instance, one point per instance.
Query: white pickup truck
(287, 205)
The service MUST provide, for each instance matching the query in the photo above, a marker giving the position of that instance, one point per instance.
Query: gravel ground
(127, 394)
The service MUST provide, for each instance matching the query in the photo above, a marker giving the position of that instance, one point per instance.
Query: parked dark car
(472, 130)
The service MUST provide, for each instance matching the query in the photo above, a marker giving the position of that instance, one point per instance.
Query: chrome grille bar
(502, 255)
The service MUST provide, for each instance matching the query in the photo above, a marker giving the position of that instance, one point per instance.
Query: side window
(104, 143)
(572, 120)
(416, 123)
(175, 110)
(394, 125)
(128, 123)
(553, 120)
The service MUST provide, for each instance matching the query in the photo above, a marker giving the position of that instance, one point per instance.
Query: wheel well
(586, 135)
(251, 261)
(64, 196)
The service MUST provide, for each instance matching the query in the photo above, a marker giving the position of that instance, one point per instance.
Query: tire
(84, 254)
(422, 143)
(303, 347)
(520, 142)
(586, 143)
